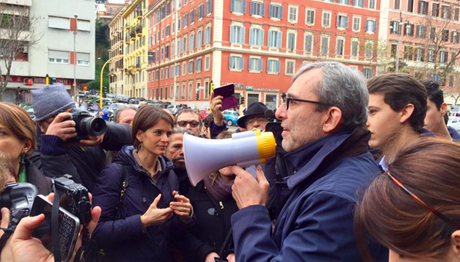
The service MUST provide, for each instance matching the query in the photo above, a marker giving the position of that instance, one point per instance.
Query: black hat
(256, 108)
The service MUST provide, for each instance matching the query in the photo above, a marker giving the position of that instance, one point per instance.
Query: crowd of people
(363, 171)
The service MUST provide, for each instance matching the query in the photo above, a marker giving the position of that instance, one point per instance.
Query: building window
(237, 34)
(340, 46)
(257, 8)
(456, 14)
(344, 2)
(410, 6)
(184, 44)
(408, 51)
(368, 72)
(273, 66)
(433, 33)
(58, 57)
(290, 65)
(443, 55)
(397, 4)
(409, 29)
(420, 31)
(192, 16)
(445, 35)
(423, 7)
(454, 37)
(291, 41)
(207, 35)
(191, 65)
(310, 17)
(342, 21)
(451, 81)
(308, 43)
(207, 62)
(238, 6)
(198, 65)
(356, 23)
(59, 23)
(274, 39)
(236, 63)
(326, 21)
(371, 26)
(358, 3)
(354, 48)
(200, 12)
(177, 70)
(275, 11)
(256, 36)
(324, 45)
(435, 9)
(372, 4)
(430, 55)
(208, 7)
(191, 42)
(293, 10)
(255, 64)
(184, 20)
(182, 95)
(446, 12)
(84, 25)
(369, 50)
(83, 58)
(199, 38)
(420, 55)
(184, 68)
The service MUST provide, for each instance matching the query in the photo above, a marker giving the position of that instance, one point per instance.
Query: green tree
(102, 54)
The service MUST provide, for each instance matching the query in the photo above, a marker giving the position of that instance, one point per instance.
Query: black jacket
(83, 163)
(36, 178)
(211, 226)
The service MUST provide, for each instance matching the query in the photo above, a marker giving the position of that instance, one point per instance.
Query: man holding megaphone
(323, 119)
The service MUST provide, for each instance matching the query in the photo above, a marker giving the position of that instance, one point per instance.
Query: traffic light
(211, 87)
(242, 100)
(85, 87)
(197, 95)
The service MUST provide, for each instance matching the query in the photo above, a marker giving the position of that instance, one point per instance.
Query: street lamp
(401, 27)
(75, 58)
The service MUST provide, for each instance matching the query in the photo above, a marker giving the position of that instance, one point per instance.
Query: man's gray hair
(344, 87)
(181, 130)
(120, 109)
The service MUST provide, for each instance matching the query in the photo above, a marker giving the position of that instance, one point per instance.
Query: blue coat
(316, 222)
(454, 134)
(124, 239)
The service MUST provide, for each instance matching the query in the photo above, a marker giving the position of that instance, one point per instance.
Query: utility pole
(400, 28)
(75, 59)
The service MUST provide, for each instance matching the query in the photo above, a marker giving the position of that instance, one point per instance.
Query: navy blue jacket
(454, 134)
(124, 239)
(316, 222)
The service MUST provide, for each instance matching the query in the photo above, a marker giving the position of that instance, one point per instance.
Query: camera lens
(93, 126)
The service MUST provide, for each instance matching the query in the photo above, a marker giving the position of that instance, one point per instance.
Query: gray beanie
(50, 101)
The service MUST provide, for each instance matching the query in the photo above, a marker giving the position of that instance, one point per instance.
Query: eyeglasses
(427, 207)
(287, 100)
(191, 123)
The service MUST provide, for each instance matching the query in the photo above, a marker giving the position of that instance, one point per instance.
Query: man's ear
(332, 119)
(455, 244)
(406, 113)
(41, 126)
(443, 109)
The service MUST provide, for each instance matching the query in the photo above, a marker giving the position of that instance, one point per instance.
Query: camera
(19, 198)
(216, 259)
(86, 124)
(77, 195)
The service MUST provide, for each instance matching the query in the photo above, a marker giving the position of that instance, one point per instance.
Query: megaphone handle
(252, 170)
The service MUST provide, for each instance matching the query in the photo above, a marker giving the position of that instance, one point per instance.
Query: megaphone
(204, 156)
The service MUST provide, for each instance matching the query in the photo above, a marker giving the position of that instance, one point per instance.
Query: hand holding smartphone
(69, 227)
(226, 91)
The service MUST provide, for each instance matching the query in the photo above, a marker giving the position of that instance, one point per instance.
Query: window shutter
(270, 11)
(281, 13)
(232, 34)
(230, 62)
(367, 25)
(244, 6)
(232, 5)
(261, 37)
(278, 66)
(241, 63)
(263, 9)
(243, 35)
(338, 21)
(280, 37)
(375, 26)
(260, 64)
(346, 22)
(251, 8)
(251, 35)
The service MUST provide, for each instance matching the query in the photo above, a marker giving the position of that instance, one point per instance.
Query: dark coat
(125, 239)
(454, 134)
(211, 227)
(83, 163)
(36, 178)
(316, 223)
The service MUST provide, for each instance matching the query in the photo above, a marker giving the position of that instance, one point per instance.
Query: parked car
(454, 122)
(230, 117)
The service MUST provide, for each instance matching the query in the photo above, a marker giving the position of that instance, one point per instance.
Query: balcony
(139, 14)
(139, 30)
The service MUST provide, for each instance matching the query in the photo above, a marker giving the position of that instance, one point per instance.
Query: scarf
(219, 189)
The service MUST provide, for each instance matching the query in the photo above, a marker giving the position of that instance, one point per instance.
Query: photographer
(84, 160)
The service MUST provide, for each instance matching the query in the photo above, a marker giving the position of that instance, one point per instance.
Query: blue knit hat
(50, 101)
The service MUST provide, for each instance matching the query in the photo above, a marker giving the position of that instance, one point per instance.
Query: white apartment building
(56, 50)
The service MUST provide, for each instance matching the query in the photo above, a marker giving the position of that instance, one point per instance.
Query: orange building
(258, 45)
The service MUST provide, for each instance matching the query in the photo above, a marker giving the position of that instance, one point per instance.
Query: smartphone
(69, 227)
(227, 91)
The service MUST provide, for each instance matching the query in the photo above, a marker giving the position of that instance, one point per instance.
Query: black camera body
(78, 202)
(19, 198)
(86, 124)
